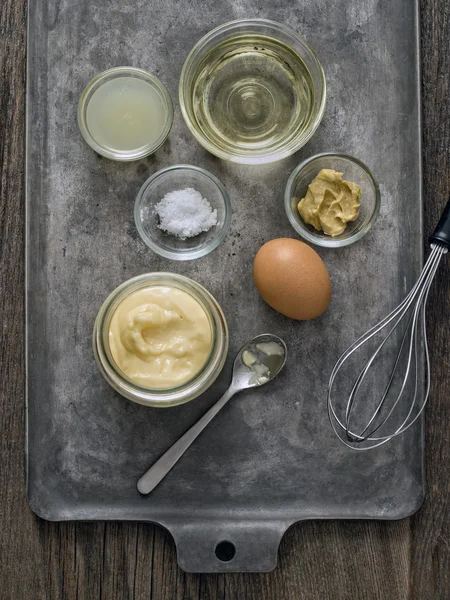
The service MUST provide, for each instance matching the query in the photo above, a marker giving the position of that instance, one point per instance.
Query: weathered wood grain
(320, 560)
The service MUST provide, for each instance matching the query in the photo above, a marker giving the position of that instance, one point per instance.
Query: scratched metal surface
(270, 458)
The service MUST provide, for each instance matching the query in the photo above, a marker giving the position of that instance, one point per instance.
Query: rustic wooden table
(402, 560)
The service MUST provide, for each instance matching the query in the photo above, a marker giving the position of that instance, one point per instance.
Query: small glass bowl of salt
(182, 212)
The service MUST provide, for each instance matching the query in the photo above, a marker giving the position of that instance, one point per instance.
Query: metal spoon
(244, 377)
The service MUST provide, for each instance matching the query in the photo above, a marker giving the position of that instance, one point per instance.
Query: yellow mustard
(330, 202)
(160, 337)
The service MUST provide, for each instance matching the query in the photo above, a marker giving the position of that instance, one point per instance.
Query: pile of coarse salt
(185, 213)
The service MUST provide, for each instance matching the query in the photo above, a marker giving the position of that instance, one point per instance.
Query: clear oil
(252, 93)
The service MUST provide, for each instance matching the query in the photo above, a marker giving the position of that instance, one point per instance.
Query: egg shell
(292, 278)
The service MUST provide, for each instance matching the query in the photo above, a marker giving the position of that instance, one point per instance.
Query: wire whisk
(399, 406)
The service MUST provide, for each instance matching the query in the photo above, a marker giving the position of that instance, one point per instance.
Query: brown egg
(292, 278)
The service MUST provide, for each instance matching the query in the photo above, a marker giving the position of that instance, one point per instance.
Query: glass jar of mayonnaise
(160, 339)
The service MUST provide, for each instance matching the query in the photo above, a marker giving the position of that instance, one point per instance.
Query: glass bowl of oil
(252, 91)
(125, 113)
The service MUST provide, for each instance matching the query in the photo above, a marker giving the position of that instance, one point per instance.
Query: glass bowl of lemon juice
(125, 113)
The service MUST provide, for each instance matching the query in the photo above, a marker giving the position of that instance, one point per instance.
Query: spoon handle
(162, 466)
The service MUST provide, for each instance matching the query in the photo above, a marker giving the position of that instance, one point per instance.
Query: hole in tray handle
(225, 551)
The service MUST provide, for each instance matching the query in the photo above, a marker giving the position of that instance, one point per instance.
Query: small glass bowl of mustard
(354, 171)
(159, 320)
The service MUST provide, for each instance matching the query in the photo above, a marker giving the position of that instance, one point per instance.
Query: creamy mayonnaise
(270, 348)
(260, 371)
(160, 337)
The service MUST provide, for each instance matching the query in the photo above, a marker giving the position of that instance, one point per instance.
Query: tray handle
(227, 546)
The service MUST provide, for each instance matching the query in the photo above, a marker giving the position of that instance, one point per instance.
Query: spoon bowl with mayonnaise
(256, 363)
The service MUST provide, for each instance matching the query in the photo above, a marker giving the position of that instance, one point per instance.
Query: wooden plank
(321, 560)
(430, 550)
(20, 551)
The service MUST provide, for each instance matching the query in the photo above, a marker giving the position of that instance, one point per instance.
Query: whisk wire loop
(414, 308)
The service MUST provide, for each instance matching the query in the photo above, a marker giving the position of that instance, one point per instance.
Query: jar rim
(161, 396)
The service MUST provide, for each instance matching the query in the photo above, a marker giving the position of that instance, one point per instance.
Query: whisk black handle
(441, 234)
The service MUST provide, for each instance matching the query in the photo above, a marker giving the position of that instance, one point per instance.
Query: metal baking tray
(270, 458)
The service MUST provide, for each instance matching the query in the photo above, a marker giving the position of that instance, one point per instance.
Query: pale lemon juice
(126, 114)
